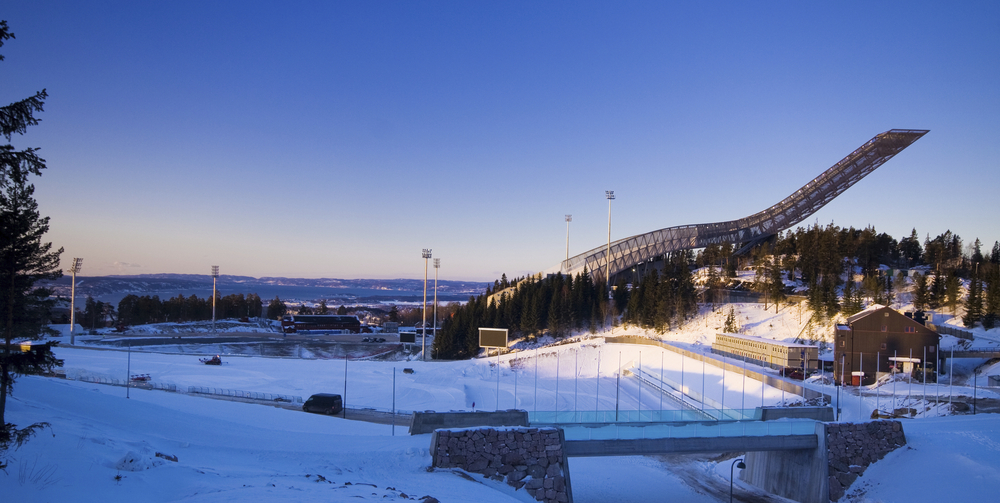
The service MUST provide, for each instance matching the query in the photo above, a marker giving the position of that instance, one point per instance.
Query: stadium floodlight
(610, 194)
(426, 254)
(75, 268)
(569, 218)
(215, 278)
(437, 265)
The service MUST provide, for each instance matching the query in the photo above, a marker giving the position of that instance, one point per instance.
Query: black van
(324, 403)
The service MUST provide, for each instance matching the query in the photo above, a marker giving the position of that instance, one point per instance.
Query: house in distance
(879, 340)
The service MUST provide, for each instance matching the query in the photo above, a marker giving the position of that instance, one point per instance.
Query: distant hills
(149, 284)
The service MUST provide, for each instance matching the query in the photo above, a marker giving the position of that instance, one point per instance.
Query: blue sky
(338, 139)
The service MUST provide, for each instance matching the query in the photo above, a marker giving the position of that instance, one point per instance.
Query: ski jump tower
(629, 252)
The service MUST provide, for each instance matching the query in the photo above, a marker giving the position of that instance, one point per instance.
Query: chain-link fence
(235, 393)
(132, 383)
(252, 395)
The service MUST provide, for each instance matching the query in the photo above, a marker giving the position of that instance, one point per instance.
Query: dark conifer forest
(841, 270)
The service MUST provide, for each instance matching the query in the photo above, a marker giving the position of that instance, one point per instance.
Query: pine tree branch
(16, 117)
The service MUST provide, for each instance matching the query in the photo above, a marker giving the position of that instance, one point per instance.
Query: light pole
(741, 466)
(610, 194)
(569, 218)
(437, 265)
(215, 278)
(75, 268)
(426, 254)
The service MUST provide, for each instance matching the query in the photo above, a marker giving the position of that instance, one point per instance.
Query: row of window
(885, 328)
(883, 346)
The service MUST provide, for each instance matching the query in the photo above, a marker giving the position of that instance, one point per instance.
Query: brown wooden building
(878, 338)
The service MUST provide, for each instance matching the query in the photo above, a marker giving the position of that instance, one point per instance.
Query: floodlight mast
(569, 218)
(610, 194)
(437, 265)
(75, 268)
(426, 254)
(215, 277)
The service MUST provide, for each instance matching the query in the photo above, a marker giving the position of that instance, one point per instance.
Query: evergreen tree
(342, 310)
(276, 309)
(952, 290)
(776, 286)
(852, 298)
(974, 302)
(89, 313)
(992, 310)
(910, 250)
(937, 289)
(920, 293)
(732, 324)
(24, 258)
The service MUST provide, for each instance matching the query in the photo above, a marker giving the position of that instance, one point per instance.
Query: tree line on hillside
(139, 310)
(560, 305)
(842, 269)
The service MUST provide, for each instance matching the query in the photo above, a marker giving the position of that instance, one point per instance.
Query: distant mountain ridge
(107, 285)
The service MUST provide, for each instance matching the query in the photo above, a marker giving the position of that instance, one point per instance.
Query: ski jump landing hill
(629, 252)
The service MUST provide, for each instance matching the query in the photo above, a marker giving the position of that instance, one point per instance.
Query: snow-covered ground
(103, 445)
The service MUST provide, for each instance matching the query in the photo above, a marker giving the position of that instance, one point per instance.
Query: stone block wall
(852, 447)
(529, 459)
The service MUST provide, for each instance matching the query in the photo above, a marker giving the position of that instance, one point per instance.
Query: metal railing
(771, 381)
(692, 430)
(569, 417)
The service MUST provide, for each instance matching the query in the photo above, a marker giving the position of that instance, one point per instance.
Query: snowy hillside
(103, 445)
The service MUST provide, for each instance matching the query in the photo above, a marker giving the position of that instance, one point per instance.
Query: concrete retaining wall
(824, 474)
(529, 459)
(799, 475)
(426, 422)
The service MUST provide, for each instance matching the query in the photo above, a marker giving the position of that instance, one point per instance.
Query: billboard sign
(492, 337)
(408, 337)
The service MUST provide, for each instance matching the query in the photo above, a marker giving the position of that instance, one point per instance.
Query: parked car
(324, 403)
(792, 373)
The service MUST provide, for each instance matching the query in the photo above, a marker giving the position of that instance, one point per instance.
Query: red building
(878, 340)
